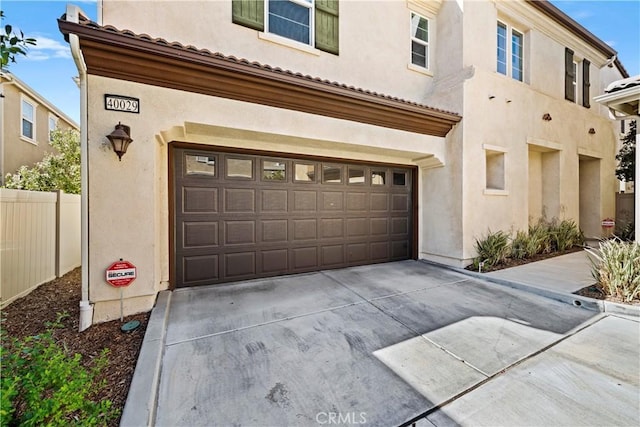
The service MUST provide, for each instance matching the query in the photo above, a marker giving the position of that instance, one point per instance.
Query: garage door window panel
(239, 168)
(274, 170)
(331, 174)
(200, 166)
(356, 176)
(378, 177)
(399, 179)
(304, 172)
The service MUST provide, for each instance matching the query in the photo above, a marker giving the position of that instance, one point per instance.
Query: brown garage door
(240, 216)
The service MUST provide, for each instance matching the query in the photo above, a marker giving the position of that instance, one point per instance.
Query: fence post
(58, 232)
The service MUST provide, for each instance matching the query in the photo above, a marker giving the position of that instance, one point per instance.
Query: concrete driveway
(373, 345)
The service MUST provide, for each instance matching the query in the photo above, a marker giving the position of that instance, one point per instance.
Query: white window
(28, 120)
(292, 19)
(419, 41)
(576, 78)
(510, 52)
(53, 125)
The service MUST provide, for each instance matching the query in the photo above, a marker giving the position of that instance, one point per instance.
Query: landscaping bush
(616, 268)
(565, 234)
(42, 385)
(539, 239)
(627, 232)
(520, 245)
(492, 249)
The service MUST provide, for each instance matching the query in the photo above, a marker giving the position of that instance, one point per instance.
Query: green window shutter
(249, 13)
(569, 92)
(326, 36)
(586, 84)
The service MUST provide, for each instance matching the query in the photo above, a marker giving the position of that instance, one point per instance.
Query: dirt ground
(512, 262)
(595, 292)
(27, 316)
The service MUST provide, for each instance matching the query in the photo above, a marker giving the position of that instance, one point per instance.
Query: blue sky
(49, 68)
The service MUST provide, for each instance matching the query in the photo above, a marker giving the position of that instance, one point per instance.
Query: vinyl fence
(39, 239)
(625, 212)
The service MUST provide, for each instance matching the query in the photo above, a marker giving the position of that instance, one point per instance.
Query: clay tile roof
(84, 22)
(623, 84)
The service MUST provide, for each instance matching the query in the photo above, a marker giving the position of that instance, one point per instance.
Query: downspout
(9, 81)
(86, 308)
(636, 190)
(99, 6)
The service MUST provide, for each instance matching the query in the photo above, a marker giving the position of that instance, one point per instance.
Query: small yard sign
(608, 223)
(121, 273)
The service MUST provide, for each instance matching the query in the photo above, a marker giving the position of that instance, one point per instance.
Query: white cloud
(47, 48)
(579, 15)
(611, 43)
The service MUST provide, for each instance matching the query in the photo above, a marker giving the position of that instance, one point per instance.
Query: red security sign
(121, 274)
(608, 223)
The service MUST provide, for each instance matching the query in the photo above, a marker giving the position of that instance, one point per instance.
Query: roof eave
(566, 21)
(124, 55)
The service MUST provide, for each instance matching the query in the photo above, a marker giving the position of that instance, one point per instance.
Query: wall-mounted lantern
(546, 117)
(592, 131)
(120, 139)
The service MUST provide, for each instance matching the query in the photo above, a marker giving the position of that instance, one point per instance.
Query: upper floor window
(291, 19)
(311, 22)
(53, 125)
(28, 121)
(510, 52)
(419, 41)
(576, 80)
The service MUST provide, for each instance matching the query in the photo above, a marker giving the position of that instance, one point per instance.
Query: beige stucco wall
(551, 148)
(17, 150)
(374, 53)
(128, 200)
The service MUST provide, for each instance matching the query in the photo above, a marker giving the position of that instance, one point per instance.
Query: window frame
(52, 119)
(310, 5)
(577, 67)
(32, 139)
(509, 53)
(413, 39)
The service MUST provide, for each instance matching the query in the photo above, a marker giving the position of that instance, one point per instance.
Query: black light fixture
(120, 139)
(592, 131)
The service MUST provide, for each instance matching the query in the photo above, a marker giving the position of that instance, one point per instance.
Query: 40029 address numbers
(121, 103)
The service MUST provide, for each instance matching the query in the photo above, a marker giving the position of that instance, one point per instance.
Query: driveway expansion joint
(502, 371)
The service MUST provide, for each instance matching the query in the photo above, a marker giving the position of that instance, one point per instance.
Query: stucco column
(636, 190)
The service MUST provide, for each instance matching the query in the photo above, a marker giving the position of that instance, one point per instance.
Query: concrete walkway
(381, 345)
(565, 273)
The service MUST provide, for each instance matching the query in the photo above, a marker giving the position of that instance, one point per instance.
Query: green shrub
(616, 268)
(627, 232)
(565, 235)
(539, 239)
(42, 385)
(519, 245)
(492, 249)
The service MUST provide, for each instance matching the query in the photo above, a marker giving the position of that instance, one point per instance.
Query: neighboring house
(26, 122)
(404, 129)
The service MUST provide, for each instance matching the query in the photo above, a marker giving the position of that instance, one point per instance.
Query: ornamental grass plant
(616, 268)
(542, 238)
(492, 249)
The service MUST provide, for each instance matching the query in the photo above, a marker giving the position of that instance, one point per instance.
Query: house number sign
(121, 103)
